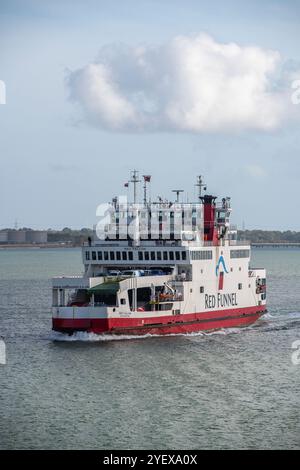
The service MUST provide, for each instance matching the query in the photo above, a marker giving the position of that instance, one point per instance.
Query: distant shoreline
(38, 246)
(69, 238)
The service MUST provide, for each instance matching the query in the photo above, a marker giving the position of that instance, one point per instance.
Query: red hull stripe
(162, 325)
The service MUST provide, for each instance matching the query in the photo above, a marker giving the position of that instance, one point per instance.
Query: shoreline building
(13, 236)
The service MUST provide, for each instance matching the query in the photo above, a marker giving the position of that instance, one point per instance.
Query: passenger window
(124, 255)
(152, 255)
(99, 255)
(94, 255)
(106, 255)
(171, 254)
(130, 254)
(141, 255)
(112, 255)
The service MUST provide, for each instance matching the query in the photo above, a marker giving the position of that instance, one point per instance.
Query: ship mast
(135, 179)
(147, 179)
(200, 185)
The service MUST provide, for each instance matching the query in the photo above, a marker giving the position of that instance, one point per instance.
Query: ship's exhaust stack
(209, 214)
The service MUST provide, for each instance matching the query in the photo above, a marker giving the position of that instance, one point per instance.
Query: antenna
(134, 179)
(200, 185)
(177, 191)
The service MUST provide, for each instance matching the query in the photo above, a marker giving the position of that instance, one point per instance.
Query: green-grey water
(231, 389)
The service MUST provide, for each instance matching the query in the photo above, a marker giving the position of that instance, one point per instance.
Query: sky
(174, 89)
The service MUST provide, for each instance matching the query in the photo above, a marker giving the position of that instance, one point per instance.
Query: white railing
(239, 242)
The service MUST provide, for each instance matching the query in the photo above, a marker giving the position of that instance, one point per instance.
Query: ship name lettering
(220, 300)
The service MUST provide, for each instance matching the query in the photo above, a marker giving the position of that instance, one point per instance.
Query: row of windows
(109, 255)
(142, 255)
(159, 256)
(196, 255)
(239, 253)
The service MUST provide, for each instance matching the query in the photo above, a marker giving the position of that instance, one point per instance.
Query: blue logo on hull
(222, 262)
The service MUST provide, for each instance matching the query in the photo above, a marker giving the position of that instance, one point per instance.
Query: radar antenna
(177, 191)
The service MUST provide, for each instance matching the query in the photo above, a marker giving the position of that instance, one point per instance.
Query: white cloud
(190, 84)
(255, 171)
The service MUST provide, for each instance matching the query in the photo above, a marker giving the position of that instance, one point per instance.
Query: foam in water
(93, 337)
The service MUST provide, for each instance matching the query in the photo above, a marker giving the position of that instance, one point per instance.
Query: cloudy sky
(171, 88)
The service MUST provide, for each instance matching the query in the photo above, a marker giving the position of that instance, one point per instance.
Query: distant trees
(67, 235)
(255, 236)
(269, 236)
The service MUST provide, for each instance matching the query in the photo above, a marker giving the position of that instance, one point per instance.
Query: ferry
(161, 267)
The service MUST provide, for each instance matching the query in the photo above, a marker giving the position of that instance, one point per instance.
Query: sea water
(236, 388)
